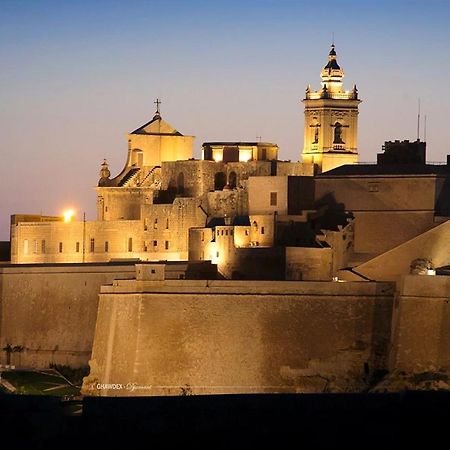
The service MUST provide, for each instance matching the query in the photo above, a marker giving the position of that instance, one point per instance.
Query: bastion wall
(213, 337)
(48, 312)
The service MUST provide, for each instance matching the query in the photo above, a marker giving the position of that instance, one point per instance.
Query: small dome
(332, 71)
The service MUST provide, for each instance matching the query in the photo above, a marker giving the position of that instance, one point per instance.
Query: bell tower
(331, 120)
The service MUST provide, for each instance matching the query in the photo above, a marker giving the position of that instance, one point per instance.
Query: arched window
(338, 134)
(220, 180)
(232, 180)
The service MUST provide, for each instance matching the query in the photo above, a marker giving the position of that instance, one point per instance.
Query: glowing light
(431, 272)
(68, 215)
(245, 155)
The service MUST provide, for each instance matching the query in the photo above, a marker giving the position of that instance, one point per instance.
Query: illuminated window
(77, 247)
(43, 246)
(130, 244)
(273, 199)
(25, 247)
(60, 247)
(106, 246)
(92, 246)
(166, 245)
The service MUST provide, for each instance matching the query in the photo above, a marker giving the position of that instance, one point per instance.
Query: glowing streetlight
(68, 215)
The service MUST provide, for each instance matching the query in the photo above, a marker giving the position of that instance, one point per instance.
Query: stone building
(297, 230)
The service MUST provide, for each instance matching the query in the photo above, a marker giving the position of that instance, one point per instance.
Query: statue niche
(338, 133)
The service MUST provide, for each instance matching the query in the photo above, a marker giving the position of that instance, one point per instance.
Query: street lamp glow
(68, 215)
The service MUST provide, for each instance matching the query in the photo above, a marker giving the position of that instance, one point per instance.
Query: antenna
(425, 129)
(418, 119)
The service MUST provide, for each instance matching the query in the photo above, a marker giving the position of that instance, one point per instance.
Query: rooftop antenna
(418, 119)
(425, 128)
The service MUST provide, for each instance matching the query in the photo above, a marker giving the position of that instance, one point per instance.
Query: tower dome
(332, 73)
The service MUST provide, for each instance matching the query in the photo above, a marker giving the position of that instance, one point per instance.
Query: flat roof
(388, 169)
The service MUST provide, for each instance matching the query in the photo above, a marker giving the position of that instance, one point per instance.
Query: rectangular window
(203, 236)
(145, 224)
(77, 247)
(155, 243)
(60, 247)
(246, 232)
(130, 244)
(155, 224)
(43, 246)
(166, 245)
(25, 247)
(167, 224)
(262, 230)
(106, 246)
(92, 247)
(273, 199)
(35, 246)
(226, 232)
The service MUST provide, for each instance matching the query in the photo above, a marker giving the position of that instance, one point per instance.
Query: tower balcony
(347, 95)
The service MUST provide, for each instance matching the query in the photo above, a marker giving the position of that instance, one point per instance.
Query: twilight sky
(76, 76)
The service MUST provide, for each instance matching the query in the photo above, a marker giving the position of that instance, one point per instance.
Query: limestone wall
(433, 245)
(51, 311)
(303, 263)
(379, 231)
(267, 195)
(421, 325)
(380, 193)
(158, 338)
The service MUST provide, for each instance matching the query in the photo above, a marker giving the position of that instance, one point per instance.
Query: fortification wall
(421, 325)
(175, 337)
(48, 312)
